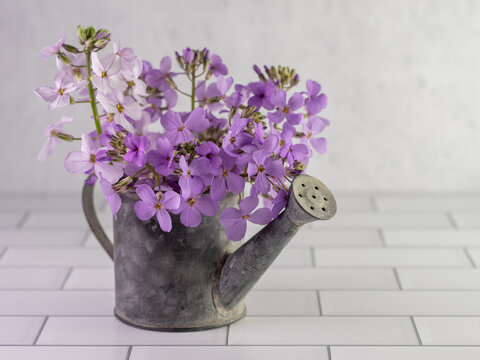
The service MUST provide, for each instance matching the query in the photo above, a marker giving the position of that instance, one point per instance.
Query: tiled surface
(391, 277)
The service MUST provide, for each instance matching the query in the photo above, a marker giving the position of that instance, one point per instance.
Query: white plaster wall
(402, 77)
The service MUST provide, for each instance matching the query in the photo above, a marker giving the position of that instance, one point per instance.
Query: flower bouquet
(175, 176)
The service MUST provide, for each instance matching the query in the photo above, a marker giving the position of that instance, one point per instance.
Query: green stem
(92, 93)
(193, 89)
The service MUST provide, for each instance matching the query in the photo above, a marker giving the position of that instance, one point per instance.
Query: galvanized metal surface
(195, 279)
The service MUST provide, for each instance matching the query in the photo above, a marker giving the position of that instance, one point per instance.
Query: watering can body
(195, 278)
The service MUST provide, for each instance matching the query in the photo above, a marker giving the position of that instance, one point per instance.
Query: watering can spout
(309, 200)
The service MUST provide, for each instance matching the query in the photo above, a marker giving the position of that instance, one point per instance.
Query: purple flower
(52, 50)
(52, 139)
(210, 150)
(217, 66)
(193, 206)
(236, 136)
(279, 203)
(235, 220)
(119, 106)
(263, 166)
(188, 55)
(92, 158)
(193, 175)
(314, 126)
(315, 103)
(60, 95)
(279, 98)
(151, 205)
(137, 145)
(162, 157)
(238, 97)
(291, 151)
(111, 196)
(262, 91)
(179, 131)
(158, 78)
(107, 74)
(227, 178)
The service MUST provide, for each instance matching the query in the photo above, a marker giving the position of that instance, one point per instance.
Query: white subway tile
(282, 303)
(470, 219)
(400, 302)
(108, 330)
(229, 352)
(91, 278)
(327, 279)
(436, 202)
(353, 202)
(449, 330)
(63, 352)
(31, 278)
(322, 331)
(70, 219)
(372, 257)
(56, 302)
(294, 258)
(19, 330)
(440, 279)
(432, 238)
(11, 219)
(55, 257)
(360, 220)
(37, 238)
(404, 353)
(323, 237)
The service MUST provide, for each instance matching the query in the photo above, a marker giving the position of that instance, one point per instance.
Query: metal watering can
(195, 278)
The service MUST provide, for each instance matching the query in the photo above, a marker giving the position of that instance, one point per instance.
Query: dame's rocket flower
(120, 106)
(279, 98)
(106, 74)
(136, 145)
(60, 95)
(179, 131)
(315, 103)
(235, 220)
(91, 157)
(263, 166)
(52, 50)
(151, 204)
(53, 139)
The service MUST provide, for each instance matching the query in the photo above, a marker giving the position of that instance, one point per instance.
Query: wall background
(402, 77)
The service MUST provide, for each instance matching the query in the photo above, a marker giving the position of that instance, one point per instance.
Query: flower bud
(100, 44)
(63, 136)
(64, 58)
(81, 34)
(71, 48)
(121, 186)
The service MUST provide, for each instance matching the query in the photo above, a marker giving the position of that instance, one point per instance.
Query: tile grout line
(67, 276)
(469, 257)
(319, 302)
(41, 329)
(381, 235)
(374, 204)
(329, 352)
(312, 253)
(129, 352)
(397, 277)
(416, 330)
(451, 219)
(24, 219)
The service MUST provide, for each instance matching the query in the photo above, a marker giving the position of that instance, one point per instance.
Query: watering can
(195, 278)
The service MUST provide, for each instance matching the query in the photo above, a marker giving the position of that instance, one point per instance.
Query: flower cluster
(262, 133)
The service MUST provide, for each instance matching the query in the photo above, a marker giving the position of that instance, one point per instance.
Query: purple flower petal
(206, 205)
(190, 217)
(248, 204)
(147, 195)
(294, 118)
(197, 121)
(277, 116)
(262, 183)
(77, 162)
(143, 210)
(319, 144)
(164, 220)
(235, 183)
(295, 102)
(170, 200)
(261, 216)
(236, 230)
(218, 188)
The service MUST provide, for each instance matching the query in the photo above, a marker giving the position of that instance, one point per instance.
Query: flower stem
(93, 102)
(193, 89)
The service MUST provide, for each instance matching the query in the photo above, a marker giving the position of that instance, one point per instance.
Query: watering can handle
(92, 219)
